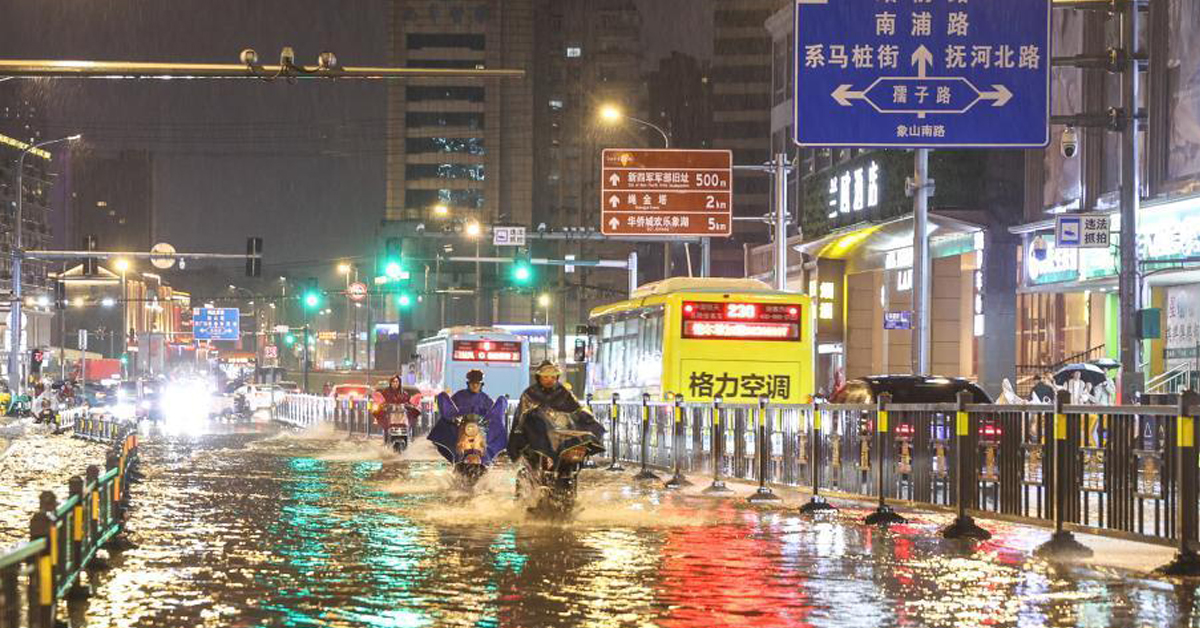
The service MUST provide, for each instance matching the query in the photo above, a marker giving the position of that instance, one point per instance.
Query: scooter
(560, 444)
(398, 431)
(469, 441)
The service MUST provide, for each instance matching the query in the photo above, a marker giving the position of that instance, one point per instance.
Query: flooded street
(248, 527)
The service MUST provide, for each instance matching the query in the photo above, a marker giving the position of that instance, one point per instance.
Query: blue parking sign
(922, 73)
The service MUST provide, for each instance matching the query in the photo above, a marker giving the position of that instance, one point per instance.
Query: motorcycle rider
(547, 391)
(392, 395)
(472, 399)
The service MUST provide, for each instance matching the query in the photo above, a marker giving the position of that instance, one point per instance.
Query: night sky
(302, 165)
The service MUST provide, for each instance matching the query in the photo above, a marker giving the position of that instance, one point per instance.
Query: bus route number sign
(666, 192)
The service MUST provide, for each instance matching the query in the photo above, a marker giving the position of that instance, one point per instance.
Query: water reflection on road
(241, 527)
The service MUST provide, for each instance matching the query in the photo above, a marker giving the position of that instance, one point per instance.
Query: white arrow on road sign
(921, 57)
(614, 223)
(1001, 95)
(843, 95)
(614, 179)
(613, 201)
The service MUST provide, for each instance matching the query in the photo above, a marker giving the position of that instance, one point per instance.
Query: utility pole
(779, 181)
(921, 187)
(1129, 285)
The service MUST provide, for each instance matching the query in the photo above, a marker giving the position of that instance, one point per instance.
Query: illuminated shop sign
(854, 190)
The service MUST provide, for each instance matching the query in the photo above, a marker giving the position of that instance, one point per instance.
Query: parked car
(909, 389)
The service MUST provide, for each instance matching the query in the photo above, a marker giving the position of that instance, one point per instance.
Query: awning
(865, 242)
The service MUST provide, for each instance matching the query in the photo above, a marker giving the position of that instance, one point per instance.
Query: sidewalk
(33, 460)
(1007, 537)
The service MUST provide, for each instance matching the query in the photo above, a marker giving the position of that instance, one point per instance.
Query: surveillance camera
(249, 57)
(420, 227)
(326, 60)
(287, 56)
(1070, 142)
(541, 227)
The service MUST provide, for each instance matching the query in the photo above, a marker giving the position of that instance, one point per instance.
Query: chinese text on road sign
(508, 236)
(922, 73)
(1082, 231)
(216, 323)
(666, 192)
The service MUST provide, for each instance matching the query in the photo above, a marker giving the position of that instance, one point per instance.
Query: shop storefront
(1068, 306)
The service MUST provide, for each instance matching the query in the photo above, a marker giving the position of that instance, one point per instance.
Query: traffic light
(289, 339)
(312, 295)
(254, 257)
(393, 258)
(404, 300)
(521, 272)
(89, 263)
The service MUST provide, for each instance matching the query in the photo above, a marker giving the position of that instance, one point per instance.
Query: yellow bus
(737, 339)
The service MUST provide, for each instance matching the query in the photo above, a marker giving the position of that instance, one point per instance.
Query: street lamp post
(612, 114)
(123, 266)
(473, 231)
(18, 254)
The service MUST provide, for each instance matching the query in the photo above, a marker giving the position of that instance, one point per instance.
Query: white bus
(443, 361)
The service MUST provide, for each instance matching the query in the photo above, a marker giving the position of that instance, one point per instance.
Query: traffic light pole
(630, 264)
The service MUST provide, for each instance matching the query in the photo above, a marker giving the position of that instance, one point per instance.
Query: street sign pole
(1129, 284)
(781, 215)
(920, 188)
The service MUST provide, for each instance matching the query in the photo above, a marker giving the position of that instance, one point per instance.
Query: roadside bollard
(588, 463)
(965, 471)
(883, 515)
(718, 441)
(678, 480)
(615, 414)
(816, 503)
(764, 493)
(1187, 561)
(646, 473)
(79, 590)
(41, 576)
(1062, 543)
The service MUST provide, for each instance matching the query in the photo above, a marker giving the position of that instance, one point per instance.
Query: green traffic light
(312, 299)
(394, 269)
(289, 340)
(522, 273)
(404, 300)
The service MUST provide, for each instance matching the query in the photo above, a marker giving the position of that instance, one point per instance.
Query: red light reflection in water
(726, 575)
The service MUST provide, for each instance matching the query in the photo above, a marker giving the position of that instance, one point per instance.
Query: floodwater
(243, 526)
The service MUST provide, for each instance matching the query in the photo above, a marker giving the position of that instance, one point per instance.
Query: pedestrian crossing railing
(1123, 471)
(65, 537)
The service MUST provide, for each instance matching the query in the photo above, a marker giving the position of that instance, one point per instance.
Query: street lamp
(18, 254)
(473, 232)
(344, 268)
(441, 210)
(613, 114)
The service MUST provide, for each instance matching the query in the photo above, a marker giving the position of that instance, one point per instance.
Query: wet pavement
(33, 460)
(244, 527)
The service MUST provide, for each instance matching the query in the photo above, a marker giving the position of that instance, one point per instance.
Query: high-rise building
(22, 120)
(462, 143)
(741, 76)
(112, 198)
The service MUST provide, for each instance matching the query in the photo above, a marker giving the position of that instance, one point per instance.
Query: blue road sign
(216, 323)
(897, 320)
(1069, 231)
(922, 73)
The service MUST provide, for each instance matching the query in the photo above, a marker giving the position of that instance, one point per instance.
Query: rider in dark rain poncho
(546, 391)
(470, 400)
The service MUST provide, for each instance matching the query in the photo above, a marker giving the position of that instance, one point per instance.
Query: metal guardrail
(1126, 471)
(351, 415)
(64, 537)
(1122, 471)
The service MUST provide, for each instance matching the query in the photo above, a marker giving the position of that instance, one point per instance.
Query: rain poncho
(444, 434)
(535, 428)
(1008, 396)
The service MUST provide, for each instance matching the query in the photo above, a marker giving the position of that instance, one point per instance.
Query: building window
(461, 145)
(460, 199)
(574, 51)
(443, 118)
(470, 41)
(421, 93)
(444, 171)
